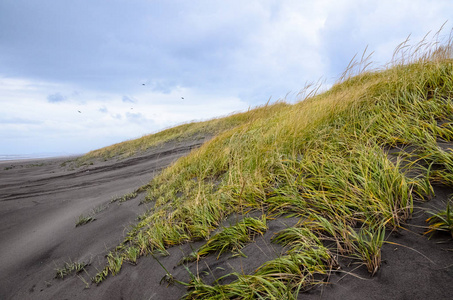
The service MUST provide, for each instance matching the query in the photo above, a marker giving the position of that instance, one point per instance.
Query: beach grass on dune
(70, 268)
(326, 160)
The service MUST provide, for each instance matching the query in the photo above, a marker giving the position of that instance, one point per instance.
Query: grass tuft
(124, 198)
(82, 220)
(367, 244)
(441, 221)
(235, 237)
(69, 268)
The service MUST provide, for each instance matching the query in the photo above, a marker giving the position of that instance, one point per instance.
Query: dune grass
(125, 197)
(234, 238)
(70, 268)
(441, 221)
(82, 220)
(325, 159)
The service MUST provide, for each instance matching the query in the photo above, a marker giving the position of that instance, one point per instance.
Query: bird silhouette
(182, 98)
(79, 111)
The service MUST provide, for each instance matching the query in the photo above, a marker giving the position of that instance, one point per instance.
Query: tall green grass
(325, 159)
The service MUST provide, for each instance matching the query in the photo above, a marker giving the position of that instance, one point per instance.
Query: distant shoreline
(15, 157)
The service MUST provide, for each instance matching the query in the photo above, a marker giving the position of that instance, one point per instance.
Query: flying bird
(182, 98)
(79, 111)
(143, 84)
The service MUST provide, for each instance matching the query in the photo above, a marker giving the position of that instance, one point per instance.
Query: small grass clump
(99, 208)
(441, 221)
(85, 219)
(114, 263)
(34, 165)
(69, 268)
(100, 276)
(132, 254)
(82, 220)
(281, 278)
(367, 244)
(124, 198)
(235, 237)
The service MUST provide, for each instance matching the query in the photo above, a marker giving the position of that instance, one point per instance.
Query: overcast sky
(79, 75)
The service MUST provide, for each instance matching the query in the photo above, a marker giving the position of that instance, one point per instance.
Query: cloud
(351, 27)
(127, 99)
(220, 56)
(256, 49)
(196, 45)
(20, 121)
(137, 118)
(163, 86)
(55, 98)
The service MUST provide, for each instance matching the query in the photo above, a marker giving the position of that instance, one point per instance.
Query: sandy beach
(41, 201)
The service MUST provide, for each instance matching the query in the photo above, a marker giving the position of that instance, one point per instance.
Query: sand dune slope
(40, 202)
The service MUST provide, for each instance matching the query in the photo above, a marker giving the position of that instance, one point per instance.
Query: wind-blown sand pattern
(40, 202)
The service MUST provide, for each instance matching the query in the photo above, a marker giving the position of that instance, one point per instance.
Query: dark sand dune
(40, 202)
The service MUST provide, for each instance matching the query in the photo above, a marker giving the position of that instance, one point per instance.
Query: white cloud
(351, 26)
(54, 98)
(104, 119)
(128, 99)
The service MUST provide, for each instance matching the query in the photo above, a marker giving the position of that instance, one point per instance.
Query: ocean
(4, 157)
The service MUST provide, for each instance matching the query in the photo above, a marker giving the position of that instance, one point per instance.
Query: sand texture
(41, 200)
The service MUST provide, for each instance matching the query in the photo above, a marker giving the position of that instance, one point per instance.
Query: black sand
(41, 200)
